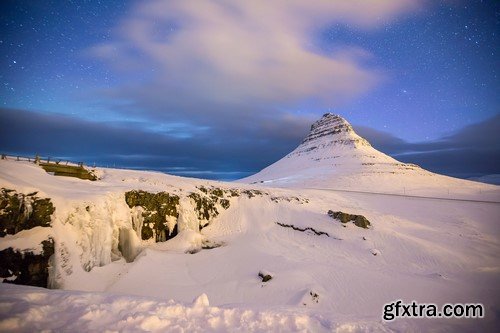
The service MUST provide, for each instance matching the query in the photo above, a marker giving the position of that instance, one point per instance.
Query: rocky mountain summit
(336, 130)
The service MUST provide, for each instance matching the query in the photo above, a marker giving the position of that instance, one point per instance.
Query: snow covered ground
(416, 249)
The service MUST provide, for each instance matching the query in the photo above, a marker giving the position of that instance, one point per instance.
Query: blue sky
(222, 89)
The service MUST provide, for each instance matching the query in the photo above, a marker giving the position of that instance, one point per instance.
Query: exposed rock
(213, 192)
(334, 127)
(265, 276)
(208, 245)
(314, 296)
(218, 192)
(234, 192)
(310, 297)
(204, 207)
(203, 189)
(359, 220)
(158, 207)
(69, 171)
(318, 233)
(225, 203)
(289, 199)
(161, 211)
(205, 245)
(206, 203)
(23, 211)
(27, 267)
(253, 193)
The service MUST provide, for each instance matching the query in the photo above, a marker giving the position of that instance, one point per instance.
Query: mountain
(333, 156)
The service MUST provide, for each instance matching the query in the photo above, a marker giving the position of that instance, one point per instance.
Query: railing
(41, 159)
(63, 161)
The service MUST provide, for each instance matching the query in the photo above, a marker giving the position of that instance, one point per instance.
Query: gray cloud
(227, 155)
(471, 151)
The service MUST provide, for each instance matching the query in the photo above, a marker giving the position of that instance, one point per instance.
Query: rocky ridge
(337, 131)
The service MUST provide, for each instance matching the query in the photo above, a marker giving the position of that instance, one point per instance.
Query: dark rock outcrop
(26, 267)
(20, 212)
(307, 229)
(253, 193)
(23, 211)
(359, 220)
(265, 276)
(206, 202)
(205, 207)
(157, 206)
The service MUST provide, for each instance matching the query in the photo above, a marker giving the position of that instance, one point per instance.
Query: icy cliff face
(120, 225)
(101, 228)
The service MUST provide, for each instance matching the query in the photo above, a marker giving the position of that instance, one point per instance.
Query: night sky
(221, 89)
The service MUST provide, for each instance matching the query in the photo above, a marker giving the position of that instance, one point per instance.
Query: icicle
(129, 244)
(137, 219)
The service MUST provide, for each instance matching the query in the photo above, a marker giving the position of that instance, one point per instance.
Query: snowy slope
(333, 156)
(416, 249)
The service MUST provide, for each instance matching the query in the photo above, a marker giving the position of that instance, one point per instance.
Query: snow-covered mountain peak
(333, 155)
(333, 129)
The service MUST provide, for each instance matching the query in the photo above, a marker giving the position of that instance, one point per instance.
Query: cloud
(227, 156)
(226, 62)
(471, 151)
